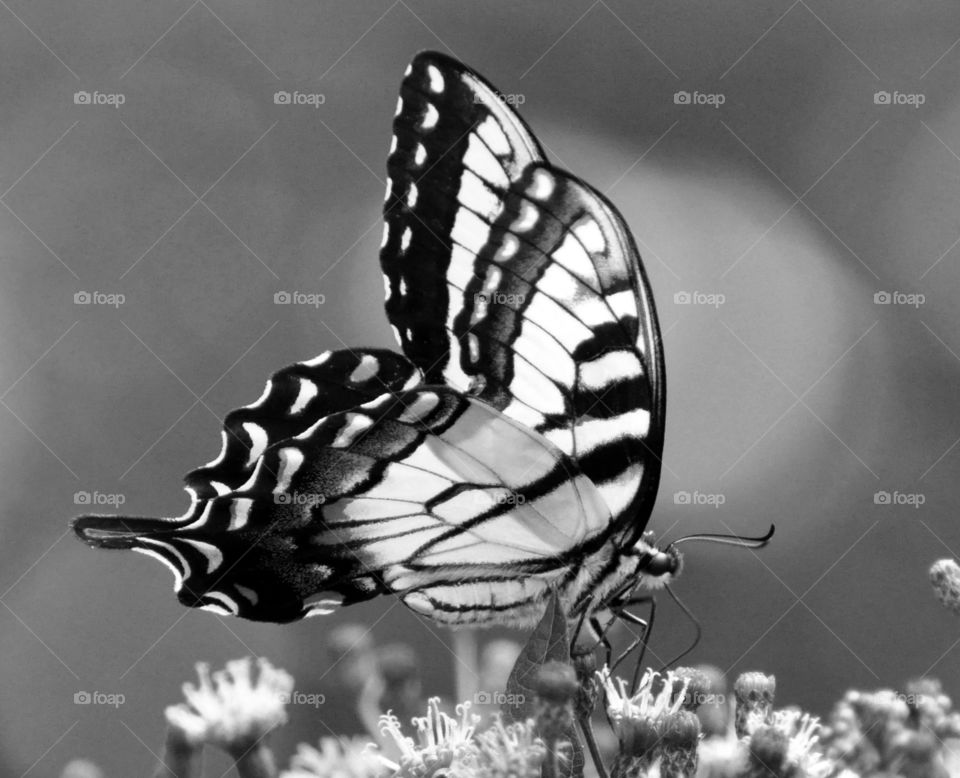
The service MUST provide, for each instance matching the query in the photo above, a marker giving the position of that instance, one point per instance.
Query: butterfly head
(657, 566)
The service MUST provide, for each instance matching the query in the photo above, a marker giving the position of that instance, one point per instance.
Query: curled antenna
(742, 541)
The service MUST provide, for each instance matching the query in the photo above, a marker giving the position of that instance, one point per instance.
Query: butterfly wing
(513, 280)
(427, 493)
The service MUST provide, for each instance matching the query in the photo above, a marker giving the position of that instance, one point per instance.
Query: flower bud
(754, 693)
(945, 579)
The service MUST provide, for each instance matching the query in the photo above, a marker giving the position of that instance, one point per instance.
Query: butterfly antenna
(743, 541)
(693, 619)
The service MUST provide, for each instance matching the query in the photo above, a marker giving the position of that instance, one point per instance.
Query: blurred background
(790, 171)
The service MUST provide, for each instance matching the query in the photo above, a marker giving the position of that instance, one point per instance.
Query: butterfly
(512, 450)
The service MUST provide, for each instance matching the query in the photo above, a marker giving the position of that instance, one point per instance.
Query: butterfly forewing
(519, 283)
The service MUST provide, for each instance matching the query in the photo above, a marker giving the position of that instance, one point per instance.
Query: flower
(645, 703)
(229, 708)
(512, 751)
(335, 758)
(445, 743)
(650, 724)
(789, 745)
(945, 579)
(754, 693)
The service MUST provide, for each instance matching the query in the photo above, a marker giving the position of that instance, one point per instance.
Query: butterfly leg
(646, 626)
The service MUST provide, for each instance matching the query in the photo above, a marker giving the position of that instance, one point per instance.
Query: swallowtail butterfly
(512, 451)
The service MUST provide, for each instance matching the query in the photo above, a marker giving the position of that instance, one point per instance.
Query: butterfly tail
(120, 531)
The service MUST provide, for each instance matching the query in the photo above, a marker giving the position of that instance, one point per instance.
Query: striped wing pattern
(520, 284)
(415, 492)
(515, 447)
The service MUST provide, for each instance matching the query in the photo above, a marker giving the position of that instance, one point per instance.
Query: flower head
(754, 693)
(512, 751)
(790, 743)
(335, 758)
(231, 708)
(657, 695)
(443, 742)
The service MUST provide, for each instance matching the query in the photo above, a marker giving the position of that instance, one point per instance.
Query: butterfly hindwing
(411, 493)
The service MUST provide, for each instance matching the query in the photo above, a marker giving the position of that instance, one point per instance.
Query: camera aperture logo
(114, 700)
(699, 498)
(914, 499)
(114, 299)
(99, 498)
(713, 99)
(113, 99)
(916, 299)
(299, 298)
(913, 99)
(715, 299)
(312, 99)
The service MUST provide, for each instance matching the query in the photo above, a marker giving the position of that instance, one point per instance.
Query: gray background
(797, 399)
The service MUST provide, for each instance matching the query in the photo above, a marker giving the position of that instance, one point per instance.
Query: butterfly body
(511, 451)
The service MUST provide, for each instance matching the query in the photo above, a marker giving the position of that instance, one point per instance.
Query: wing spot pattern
(239, 512)
(420, 155)
(290, 461)
(473, 346)
(430, 118)
(436, 79)
(420, 409)
(318, 360)
(247, 592)
(542, 185)
(526, 219)
(213, 554)
(258, 441)
(368, 368)
(355, 424)
(261, 399)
